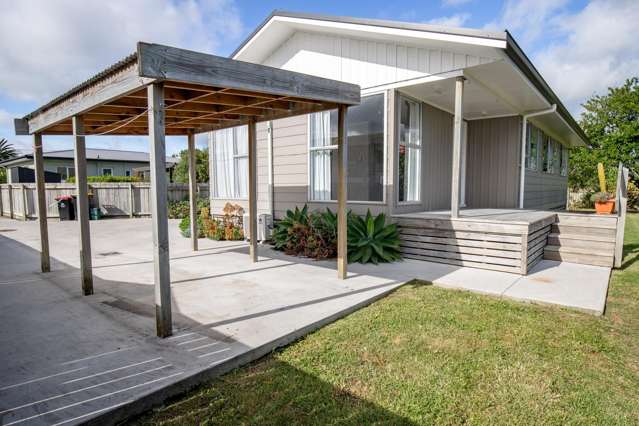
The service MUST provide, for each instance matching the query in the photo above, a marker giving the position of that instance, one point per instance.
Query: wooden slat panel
(461, 256)
(454, 241)
(471, 264)
(462, 225)
(479, 236)
(461, 248)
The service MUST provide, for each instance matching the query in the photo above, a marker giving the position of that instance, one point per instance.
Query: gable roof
(94, 154)
(479, 39)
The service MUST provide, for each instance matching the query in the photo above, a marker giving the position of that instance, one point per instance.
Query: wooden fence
(113, 199)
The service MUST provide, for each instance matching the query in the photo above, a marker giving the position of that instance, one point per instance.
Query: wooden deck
(508, 240)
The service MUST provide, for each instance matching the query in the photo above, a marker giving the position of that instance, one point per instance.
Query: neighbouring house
(100, 162)
(516, 133)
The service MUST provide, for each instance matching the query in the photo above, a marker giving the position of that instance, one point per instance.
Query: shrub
(180, 209)
(314, 235)
(371, 240)
(185, 227)
(229, 228)
(633, 195)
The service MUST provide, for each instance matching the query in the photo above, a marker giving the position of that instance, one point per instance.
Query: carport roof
(202, 92)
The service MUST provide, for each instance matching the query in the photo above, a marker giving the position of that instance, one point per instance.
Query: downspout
(269, 144)
(522, 171)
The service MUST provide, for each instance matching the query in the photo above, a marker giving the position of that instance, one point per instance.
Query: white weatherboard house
(401, 136)
(404, 158)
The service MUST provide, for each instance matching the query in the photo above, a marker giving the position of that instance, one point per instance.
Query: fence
(113, 199)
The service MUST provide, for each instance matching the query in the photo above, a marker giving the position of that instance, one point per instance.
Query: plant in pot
(604, 201)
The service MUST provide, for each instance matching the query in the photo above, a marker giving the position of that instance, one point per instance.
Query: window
(564, 161)
(127, 173)
(65, 172)
(556, 154)
(365, 131)
(409, 154)
(107, 172)
(230, 158)
(532, 147)
(546, 153)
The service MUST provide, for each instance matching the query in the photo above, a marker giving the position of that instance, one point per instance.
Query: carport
(162, 90)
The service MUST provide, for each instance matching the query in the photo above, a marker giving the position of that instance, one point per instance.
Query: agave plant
(372, 240)
(293, 218)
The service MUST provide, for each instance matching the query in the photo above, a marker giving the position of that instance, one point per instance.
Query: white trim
(522, 165)
(514, 114)
(377, 31)
(334, 147)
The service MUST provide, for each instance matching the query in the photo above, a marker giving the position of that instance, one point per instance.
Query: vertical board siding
(437, 161)
(364, 62)
(545, 190)
(492, 163)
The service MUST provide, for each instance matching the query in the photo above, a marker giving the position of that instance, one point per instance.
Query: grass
(426, 355)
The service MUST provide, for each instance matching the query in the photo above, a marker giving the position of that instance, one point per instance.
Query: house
(100, 162)
(400, 146)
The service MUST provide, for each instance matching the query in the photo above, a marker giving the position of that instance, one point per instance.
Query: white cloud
(598, 50)
(528, 18)
(457, 20)
(50, 46)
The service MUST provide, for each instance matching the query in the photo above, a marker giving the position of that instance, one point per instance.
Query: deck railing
(114, 199)
(621, 204)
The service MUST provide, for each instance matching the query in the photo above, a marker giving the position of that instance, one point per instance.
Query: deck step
(594, 243)
(587, 220)
(584, 256)
(583, 230)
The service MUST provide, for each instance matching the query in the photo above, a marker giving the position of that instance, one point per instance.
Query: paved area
(66, 359)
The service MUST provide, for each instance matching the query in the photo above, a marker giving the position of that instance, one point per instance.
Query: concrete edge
(155, 398)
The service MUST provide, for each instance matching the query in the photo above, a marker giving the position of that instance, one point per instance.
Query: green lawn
(428, 355)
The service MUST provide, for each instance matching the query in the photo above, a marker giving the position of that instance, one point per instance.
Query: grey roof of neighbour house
(93, 155)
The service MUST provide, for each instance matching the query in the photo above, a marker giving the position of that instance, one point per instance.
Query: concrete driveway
(67, 359)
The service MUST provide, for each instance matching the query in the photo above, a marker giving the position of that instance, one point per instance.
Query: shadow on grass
(631, 255)
(272, 392)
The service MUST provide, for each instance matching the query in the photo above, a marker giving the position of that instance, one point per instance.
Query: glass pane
(365, 131)
(70, 171)
(240, 141)
(223, 163)
(532, 147)
(62, 171)
(323, 175)
(240, 177)
(366, 150)
(556, 156)
(409, 154)
(545, 153)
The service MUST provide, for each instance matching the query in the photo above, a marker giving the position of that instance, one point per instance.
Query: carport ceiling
(201, 93)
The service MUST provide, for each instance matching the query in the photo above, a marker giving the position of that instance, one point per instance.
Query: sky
(580, 47)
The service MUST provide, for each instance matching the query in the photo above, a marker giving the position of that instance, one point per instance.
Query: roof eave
(517, 55)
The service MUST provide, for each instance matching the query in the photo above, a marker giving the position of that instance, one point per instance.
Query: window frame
(235, 157)
(310, 148)
(107, 168)
(397, 144)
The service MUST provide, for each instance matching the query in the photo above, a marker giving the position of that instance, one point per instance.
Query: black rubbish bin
(66, 207)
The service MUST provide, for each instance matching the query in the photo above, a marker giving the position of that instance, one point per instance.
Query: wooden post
(41, 199)
(457, 140)
(159, 213)
(192, 190)
(25, 204)
(82, 207)
(1, 205)
(622, 205)
(131, 201)
(252, 188)
(11, 201)
(342, 196)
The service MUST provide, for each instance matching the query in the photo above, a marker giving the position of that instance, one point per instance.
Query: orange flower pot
(605, 207)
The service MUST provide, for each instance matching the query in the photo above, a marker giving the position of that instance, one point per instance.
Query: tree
(7, 151)
(611, 122)
(181, 172)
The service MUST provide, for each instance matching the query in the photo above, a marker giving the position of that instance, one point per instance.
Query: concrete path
(66, 359)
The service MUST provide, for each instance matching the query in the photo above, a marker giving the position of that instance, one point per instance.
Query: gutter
(524, 128)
